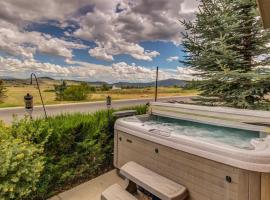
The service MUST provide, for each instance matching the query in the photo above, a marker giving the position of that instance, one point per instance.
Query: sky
(94, 40)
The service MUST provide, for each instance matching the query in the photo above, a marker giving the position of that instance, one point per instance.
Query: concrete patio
(92, 189)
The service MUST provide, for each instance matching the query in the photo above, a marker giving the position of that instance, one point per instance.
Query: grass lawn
(15, 94)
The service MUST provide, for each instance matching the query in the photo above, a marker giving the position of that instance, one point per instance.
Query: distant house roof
(264, 7)
(114, 87)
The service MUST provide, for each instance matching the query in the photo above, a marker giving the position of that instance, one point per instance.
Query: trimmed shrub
(64, 150)
(141, 109)
(76, 92)
(30, 131)
(21, 165)
(80, 147)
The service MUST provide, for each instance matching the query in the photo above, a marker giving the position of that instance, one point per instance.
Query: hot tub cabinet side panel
(265, 186)
(115, 148)
(204, 179)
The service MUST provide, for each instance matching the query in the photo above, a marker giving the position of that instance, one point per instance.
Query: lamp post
(28, 101)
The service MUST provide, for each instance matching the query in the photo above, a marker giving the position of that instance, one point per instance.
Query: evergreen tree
(226, 43)
(59, 90)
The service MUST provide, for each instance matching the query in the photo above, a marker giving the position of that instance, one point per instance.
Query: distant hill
(162, 83)
(10, 81)
(6, 78)
(50, 81)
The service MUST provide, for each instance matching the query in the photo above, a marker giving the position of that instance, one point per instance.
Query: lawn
(15, 94)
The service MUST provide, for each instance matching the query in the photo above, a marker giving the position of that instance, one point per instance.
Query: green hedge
(64, 150)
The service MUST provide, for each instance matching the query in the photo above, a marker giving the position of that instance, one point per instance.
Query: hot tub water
(230, 136)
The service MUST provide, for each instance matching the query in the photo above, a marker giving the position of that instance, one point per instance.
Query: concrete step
(116, 192)
(154, 183)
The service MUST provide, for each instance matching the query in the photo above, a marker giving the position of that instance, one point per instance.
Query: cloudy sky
(104, 40)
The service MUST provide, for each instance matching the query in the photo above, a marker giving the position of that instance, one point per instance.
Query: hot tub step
(116, 192)
(156, 184)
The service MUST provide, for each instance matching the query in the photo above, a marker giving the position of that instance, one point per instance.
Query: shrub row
(41, 158)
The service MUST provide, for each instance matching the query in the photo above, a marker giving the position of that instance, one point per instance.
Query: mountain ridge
(52, 81)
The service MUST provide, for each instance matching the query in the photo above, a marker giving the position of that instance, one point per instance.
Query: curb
(93, 102)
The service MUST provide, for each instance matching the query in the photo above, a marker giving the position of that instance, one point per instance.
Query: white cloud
(114, 33)
(89, 72)
(172, 58)
(101, 27)
(100, 53)
(142, 20)
(26, 44)
(22, 12)
(187, 73)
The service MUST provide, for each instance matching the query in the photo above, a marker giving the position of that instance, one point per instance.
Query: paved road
(6, 114)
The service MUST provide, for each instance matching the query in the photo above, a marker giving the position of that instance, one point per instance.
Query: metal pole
(156, 91)
(33, 74)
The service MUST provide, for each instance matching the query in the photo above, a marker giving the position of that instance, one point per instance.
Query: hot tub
(217, 153)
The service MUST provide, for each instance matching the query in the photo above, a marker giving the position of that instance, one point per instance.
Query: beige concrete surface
(92, 189)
